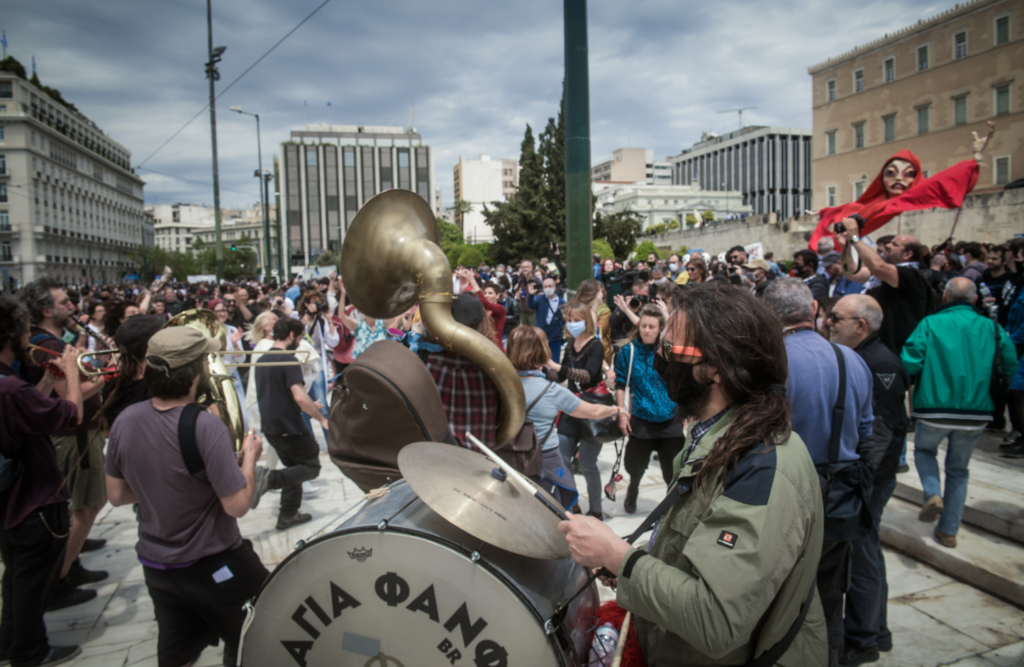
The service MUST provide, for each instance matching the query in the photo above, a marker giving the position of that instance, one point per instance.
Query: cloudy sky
(477, 72)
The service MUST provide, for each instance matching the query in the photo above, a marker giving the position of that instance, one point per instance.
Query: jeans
(958, 456)
(833, 582)
(318, 392)
(32, 557)
(589, 452)
(300, 455)
(555, 344)
(865, 624)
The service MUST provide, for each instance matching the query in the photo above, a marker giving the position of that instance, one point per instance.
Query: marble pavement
(935, 619)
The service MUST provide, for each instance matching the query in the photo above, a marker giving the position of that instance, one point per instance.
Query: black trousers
(833, 582)
(33, 554)
(638, 455)
(300, 455)
(193, 610)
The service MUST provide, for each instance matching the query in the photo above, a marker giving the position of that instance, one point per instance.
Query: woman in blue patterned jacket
(649, 418)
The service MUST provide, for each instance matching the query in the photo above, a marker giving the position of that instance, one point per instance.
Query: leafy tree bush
(673, 225)
(647, 247)
(603, 248)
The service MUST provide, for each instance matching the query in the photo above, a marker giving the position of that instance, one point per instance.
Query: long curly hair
(742, 339)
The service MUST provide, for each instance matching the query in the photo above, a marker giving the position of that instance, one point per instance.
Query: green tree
(603, 248)
(709, 216)
(644, 249)
(659, 228)
(619, 230)
(471, 256)
(451, 235)
(691, 220)
(673, 225)
(326, 258)
(461, 208)
(552, 151)
(12, 65)
(682, 250)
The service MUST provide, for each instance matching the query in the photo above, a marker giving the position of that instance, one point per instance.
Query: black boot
(631, 494)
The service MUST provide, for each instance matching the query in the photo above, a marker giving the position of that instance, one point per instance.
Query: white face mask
(673, 267)
(499, 273)
(661, 281)
(549, 292)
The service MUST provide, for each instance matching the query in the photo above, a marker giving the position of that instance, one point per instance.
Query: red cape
(945, 189)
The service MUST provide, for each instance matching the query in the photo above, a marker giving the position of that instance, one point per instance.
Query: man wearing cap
(282, 399)
(838, 283)
(198, 569)
(761, 272)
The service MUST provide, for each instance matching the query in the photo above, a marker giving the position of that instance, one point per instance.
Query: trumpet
(299, 362)
(86, 371)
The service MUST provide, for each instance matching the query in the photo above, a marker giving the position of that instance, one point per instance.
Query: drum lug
(300, 544)
(549, 627)
(475, 556)
(382, 525)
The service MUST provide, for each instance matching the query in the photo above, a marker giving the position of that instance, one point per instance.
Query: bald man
(951, 353)
(894, 279)
(855, 322)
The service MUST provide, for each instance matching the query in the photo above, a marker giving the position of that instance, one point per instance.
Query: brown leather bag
(386, 399)
(524, 452)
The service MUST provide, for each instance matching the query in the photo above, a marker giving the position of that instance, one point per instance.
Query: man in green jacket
(950, 355)
(731, 565)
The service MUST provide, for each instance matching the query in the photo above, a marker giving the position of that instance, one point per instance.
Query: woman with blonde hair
(592, 293)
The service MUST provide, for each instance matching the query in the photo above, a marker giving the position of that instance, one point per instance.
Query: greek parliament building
(327, 172)
(924, 88)
(770, 166)
(70, 206)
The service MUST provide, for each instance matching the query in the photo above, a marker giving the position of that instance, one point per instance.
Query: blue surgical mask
(576, 329)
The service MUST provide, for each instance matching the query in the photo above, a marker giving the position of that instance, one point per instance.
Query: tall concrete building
(242, 226)
(771, 166)
(924, 88)
(329, 171)
(70, 206)
(632, 165)
(177, 225)
(478, 183)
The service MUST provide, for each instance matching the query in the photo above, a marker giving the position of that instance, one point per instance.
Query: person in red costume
(901, 186)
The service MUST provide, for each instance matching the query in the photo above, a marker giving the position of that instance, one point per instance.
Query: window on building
(1002, 170)
(830, 90)
(5, 221)
(1002, 30)
(960, 45)
(1003, 100)
(3, 193)
(5, 252)
(3, 163)
(3, 108)
(311, 157)
(890, 69)
(6, 91)
(831, 195)
(923, 117)
(960, 110)
(858, 135)
(922, 58)
(858, 189)
(858, 81)
(830, 142)
(890, 128)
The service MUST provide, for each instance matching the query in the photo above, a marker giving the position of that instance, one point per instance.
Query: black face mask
(683, 388)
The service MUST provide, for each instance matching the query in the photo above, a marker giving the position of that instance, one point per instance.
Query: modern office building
(478, 183)
(329, 171)
(658, 204)
(633, 165)
(924, 88)
(770, 166)
(70, 206)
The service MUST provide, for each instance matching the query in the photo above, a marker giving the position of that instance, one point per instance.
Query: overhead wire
(191, 180)
(236, 80)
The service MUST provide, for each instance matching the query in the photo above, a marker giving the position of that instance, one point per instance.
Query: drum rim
(491, 568)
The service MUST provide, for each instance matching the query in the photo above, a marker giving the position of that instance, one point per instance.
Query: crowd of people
(826, 361)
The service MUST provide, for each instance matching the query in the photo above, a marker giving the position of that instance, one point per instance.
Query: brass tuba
(391, 259)
(222, 383)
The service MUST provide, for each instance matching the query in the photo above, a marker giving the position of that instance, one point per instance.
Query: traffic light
(232, 248)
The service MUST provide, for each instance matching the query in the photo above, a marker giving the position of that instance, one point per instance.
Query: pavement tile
(1007, 656)
(922, 641)
(989, 621)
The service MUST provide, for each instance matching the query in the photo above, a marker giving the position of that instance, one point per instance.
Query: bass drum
(398, 586)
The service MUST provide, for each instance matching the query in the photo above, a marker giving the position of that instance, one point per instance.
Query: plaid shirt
(700, 429)
(469, 397)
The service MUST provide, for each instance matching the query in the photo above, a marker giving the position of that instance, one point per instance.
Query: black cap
(135, 332)
(467, 310)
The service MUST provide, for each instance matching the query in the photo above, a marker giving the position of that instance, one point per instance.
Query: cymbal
(457, 484)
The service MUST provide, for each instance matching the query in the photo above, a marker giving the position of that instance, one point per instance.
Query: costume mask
(898, 176)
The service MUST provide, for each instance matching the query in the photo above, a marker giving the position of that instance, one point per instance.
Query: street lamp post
(213, 75)
(263, 198)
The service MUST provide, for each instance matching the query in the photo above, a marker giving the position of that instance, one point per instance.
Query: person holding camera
(319, 325)
(548, 307)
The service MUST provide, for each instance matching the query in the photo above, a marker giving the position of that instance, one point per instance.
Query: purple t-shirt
(181, 519)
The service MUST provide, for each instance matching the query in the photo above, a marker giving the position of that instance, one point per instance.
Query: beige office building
(478, 183)
(632, 165)
(924, 88)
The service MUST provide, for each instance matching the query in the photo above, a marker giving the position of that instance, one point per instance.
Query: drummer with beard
(198, 569)
(728, 573)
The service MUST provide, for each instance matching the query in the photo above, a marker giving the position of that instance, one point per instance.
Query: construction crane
(740, 112)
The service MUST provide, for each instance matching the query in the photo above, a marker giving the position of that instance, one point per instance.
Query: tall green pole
(578, 217)
(213, 75)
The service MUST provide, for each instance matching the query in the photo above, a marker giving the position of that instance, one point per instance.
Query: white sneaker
(309, 488)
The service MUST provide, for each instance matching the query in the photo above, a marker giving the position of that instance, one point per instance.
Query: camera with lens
(636, 302)
(321, 307)
(841, 228)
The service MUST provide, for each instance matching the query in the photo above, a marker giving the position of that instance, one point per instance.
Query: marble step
(995, 496)
(989, 562)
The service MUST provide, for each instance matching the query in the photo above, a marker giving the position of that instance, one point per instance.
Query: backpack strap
(555, 421)
(839, 409)
(187, 441)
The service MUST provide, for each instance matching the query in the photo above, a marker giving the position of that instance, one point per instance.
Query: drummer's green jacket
(732, 562)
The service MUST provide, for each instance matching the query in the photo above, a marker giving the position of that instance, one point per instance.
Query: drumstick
(621, 647)
(517, 478)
